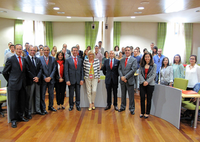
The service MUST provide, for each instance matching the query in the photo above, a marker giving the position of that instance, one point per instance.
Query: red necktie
(126, 62)
(111, 64)
(20, 62)
(75, 63)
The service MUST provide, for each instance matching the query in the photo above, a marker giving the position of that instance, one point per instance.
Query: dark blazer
(71, 73)
(57, 77)
(48, 70)
(31, 72)
(129, 70)
(68, 52)
(111, 74)
(13, 74)
(80, 54)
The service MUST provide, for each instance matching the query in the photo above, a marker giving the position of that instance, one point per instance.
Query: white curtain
(28, 35)
(175, 41)
(39, 33)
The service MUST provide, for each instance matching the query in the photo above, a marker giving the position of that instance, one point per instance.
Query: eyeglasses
(192, 58)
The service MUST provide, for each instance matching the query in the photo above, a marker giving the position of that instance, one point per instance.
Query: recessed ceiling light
(2, 11)
(137, 12)
(56, 8)
(144, 2)
(140, 8)
(132, 16)
(68, 17)
(50, 3)
(61, 12)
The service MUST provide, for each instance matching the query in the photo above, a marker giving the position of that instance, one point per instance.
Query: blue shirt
(158, 61)
(138, 58)
(26, 52)
(6, 51)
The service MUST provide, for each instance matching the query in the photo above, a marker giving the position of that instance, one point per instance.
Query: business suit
(33, 88)
(60, 86)
(128, 72)
(16, 79)
(74, 76)
(111, 80)
(80, 54)
(147, 89)
(68, 52)
(48, 71)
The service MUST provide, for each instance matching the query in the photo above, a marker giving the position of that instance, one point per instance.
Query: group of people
(31, 74)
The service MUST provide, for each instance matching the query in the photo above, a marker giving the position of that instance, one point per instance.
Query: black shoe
(107, 108)
(52, 109)
(23, 119)
(121, 109)
(40, 113)
(116, 108)
(132, 112)
(58, 108)
(141, 115)
(28, 117)
(147, 116)
(63, 107)
(78, 108)
(14, 124)
(45, 112)
(70, 108)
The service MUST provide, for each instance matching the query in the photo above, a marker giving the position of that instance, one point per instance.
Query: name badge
(91, 76)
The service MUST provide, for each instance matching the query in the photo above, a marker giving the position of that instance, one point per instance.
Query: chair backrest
(180, 83)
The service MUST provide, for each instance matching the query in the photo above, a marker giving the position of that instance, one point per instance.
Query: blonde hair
(90, 52)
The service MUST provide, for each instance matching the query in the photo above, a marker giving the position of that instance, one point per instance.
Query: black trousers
(74, 87)
(109, 88)
(16, 103)
(149, 91)
(60, 92)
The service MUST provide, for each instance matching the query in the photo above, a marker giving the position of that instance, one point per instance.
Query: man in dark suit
(15, 74)
(48, 74)
(110, 70)
(34, 72)
(80, 53)
(74, 77)
(127, 68)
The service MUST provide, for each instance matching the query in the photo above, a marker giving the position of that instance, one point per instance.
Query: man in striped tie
(127, 68)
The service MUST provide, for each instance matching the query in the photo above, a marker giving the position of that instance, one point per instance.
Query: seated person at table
(166, 73)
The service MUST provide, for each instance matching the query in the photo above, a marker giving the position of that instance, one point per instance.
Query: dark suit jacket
(13, 74)
(31, 72)
(111, 74)
(80, 54)
(48, 70)
(57, 77)
(71, 73)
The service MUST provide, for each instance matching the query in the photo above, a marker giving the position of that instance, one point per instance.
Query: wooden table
(197, 105)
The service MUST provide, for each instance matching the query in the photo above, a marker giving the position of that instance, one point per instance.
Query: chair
(2, 100)
(180, 83)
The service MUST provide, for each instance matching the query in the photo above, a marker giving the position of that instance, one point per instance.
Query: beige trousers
(91, 86)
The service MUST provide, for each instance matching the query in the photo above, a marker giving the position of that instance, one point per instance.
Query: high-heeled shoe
(146, 116)
(93, 108)
(141, 115)
(89, 108)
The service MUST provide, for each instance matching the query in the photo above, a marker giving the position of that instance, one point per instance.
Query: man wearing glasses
(158, 61)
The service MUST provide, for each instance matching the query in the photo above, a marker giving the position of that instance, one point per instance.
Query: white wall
(196, 38)
(138, 34)
(70, 33)
(7, 35)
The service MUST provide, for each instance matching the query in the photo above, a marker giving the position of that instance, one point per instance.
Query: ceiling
(84, 10)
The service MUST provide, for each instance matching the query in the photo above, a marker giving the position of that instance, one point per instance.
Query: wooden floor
(96, 126)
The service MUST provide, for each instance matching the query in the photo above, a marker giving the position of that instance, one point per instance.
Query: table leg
(196, 113)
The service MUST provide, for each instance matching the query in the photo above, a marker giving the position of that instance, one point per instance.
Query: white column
(108, 34)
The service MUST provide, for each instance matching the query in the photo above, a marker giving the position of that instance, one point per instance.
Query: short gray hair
(74, 47)
(46, 46)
